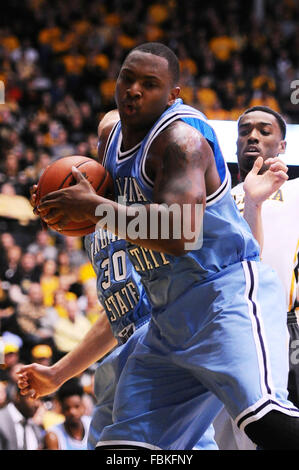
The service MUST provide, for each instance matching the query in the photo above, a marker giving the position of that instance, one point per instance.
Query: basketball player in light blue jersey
(127, 310)
(218, 315)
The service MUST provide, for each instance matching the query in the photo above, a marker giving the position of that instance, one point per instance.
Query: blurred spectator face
(93, 141)
(91, 294)
(44, 160)
(26, 405)
(35, 294)
(8, 189)
(49, 268)
(82, 149)
(63, 259)
(77, 121)
(85, 109)
(72, 309)
(14, 254)
(55, 128)
(42, 238)
(64, 283)
(259, 134)
(59, 297)
(42, 354)
(62, 137)
(40, 258)
(73, 409)
(70, 243)
(11, 164)
(28, 262)
(30, 156)
(11, 359)
(7, 240)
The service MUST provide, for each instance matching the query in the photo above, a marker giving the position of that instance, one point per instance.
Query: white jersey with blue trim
(227, 238)
(118, 285)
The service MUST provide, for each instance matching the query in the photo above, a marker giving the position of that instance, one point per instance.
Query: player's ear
(173, 95)
(282, 147)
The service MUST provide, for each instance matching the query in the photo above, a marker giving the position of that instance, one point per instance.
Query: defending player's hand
(259, 187)
(67, 204)
(36, 380)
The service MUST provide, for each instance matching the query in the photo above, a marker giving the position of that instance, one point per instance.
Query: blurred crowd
(58, 63)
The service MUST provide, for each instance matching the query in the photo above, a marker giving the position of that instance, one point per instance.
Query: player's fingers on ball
(77, 174)
(53, 216)
(35, 209)
(60, 224)
(43, 213)
(22, 383)
(44, 225)
(33, 189)
(56, 220)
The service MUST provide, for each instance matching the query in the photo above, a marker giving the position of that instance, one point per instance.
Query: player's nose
(253, 136)
(134, 91)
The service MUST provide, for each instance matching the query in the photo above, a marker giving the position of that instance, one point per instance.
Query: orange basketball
(59, 175)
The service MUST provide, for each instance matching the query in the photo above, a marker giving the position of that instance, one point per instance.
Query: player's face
(144, 90)
(259, 134)
(73, 409)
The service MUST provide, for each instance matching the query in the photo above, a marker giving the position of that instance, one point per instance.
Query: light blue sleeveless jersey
(218, 332)
(121, 293)
(227, 238)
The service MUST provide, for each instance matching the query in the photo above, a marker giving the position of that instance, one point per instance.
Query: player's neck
(131, 139)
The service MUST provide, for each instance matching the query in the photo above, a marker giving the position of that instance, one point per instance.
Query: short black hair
(161, 50)
(266, 109)
(70, 388)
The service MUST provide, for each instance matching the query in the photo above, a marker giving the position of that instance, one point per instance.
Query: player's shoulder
(179, 133)
(104, 129)
(107, 123)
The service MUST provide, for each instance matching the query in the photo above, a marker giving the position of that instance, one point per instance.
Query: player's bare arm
(37, 380)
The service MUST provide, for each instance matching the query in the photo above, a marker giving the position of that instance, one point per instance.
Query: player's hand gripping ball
(59, 175)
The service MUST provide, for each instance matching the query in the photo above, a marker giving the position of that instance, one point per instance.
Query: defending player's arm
(258, 188)
(177, 162)
(38, 381)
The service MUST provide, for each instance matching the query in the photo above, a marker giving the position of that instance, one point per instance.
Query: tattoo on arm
(175, 157)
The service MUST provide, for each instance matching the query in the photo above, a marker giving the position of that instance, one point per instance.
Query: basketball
(59, 175)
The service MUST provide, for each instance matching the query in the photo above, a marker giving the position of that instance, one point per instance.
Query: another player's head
(70, 398)
(261, 132)
(147, 85)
